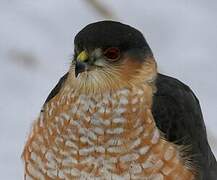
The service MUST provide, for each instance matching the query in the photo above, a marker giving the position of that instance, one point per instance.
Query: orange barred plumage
(104, 136)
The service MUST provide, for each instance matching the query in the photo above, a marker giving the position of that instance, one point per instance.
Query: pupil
(112, 54)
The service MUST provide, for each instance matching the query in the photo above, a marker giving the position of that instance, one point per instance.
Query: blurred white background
(36, 46)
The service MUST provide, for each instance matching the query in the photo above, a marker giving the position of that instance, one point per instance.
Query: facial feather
(111, 77)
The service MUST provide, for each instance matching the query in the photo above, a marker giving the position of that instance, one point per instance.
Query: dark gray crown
(105, 34)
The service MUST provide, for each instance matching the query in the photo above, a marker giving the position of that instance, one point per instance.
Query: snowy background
(36, 45)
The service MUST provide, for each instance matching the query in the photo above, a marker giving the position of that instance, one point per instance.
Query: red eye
(112, 53)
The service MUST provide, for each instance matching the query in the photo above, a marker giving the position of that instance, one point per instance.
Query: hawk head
(110, 55)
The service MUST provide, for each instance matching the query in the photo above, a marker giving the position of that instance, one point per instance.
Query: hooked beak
(81, 63)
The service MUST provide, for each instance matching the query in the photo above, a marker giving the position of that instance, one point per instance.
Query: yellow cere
(83, 56)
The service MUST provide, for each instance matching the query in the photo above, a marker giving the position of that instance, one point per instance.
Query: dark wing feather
(57, 88)
(177, 114)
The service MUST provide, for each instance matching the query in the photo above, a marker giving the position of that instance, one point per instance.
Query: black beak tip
(79, 68)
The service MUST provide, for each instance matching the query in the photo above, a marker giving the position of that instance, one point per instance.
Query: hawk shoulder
(57, 88)
(178, 115)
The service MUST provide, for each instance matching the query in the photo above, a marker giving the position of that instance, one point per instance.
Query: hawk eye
(112, 53)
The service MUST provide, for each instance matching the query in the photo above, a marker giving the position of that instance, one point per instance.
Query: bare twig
(101, 9)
